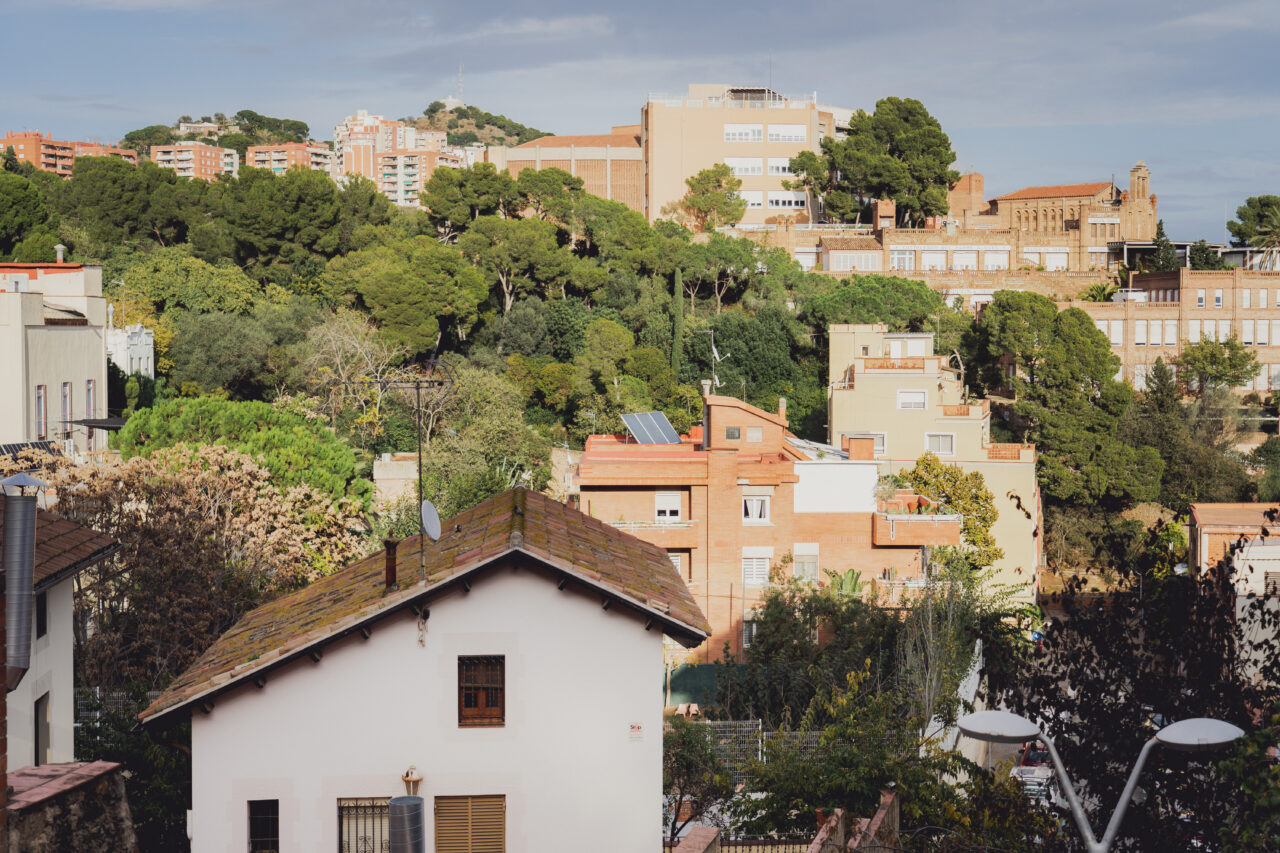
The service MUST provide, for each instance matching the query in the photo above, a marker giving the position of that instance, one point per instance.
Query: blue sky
(1031, 92)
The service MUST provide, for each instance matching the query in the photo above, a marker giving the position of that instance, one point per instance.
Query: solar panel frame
(651, 428)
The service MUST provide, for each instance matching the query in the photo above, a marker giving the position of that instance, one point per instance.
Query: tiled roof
(846, 244)
(1055, 191)
(1236, 514)
(630, 571)
(63, 546)
(597, 140)
(31, 786)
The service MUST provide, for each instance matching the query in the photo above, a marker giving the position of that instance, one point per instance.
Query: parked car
(1034, 771)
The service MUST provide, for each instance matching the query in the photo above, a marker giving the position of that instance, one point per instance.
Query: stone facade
(63, 807)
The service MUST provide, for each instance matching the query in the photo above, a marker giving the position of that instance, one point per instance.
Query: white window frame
(902, 259)
(928, 441)
(787, 200)
(745, 166)
(756, 509)
(753, 198)
(1140, 333)
(1246, 331)
(1264, 333)
(1246, 297)
(908, 398)
(1200, 297)
(808, 553)
(1193, 331)
(877, 444)
(666, 507)
(1217, 298)
(1117, 333)
(1171, 333)
(749, 627)
(780, 166)
(756, 562)
(734, 132)
(788, 133)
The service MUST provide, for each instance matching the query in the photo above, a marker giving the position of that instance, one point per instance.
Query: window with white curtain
(1140, 333)
(902, 259)
(783, 199)
(755, 509)
(804, 565)
(753, 198)
(1264, 338)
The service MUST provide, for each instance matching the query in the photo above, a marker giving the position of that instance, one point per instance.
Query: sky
(1030, 92)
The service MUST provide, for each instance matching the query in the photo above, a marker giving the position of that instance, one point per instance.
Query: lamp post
(1200, 734)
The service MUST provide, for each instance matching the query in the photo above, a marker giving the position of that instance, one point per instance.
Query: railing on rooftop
(776, 102)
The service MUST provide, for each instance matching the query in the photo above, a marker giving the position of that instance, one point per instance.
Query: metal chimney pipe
(17, 557)
(390, 545)
(407, 825)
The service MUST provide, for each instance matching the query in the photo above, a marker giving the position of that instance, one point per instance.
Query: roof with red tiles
(31, 786)
(1236, 514)
(1055, 191)
(63, 547)
(518, 523)
(597, 140)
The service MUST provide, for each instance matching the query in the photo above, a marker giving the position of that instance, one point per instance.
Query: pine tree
(1165, 258)
(677, 325)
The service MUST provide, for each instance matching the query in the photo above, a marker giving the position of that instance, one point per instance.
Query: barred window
(363, 825)
(481, 690)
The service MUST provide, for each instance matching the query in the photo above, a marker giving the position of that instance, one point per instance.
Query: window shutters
(471, 824)
(755, 571)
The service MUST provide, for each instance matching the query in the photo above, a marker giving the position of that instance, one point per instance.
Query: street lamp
(1200, 734)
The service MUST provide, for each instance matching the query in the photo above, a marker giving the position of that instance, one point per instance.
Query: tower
(1139, 182)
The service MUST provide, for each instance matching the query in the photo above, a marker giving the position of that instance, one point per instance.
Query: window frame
(905, 394)
(947, 435)
(370, 813)
(733, 433)
(754, 578)
(269, 840)
(483, 714)
(764, 503)
(659, 508)
(42, 412)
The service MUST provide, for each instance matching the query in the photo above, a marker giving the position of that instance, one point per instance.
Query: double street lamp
(1201, 734)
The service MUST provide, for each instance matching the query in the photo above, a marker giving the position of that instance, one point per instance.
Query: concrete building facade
(280, 158)
(893, 389)
(52, 343)
(197, 160)
(1162, 312)
(741, 498)
(611, 165)
(402, 175)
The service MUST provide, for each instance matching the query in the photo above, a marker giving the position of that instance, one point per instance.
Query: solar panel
(651, 428)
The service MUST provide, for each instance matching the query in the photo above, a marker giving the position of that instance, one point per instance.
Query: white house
(41, 709)
(518, 667)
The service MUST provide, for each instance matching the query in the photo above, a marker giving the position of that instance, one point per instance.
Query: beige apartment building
(610, 165)
(754, 130)
(280, 158)
(1161, 312)
(197, 160)
(893, 388)
(53, 321)
(358, 139)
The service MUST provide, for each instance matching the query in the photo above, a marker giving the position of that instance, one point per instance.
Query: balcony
(664, 534)
(908, 529)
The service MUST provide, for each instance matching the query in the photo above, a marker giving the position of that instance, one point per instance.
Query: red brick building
(741, 499)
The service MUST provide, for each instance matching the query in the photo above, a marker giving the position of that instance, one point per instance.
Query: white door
(895, 349)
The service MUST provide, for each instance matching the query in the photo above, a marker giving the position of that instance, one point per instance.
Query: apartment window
(481, 690)
(755, 571)
(877, 443)
(732, 433)
(1117, 333)
(902, 259)
(264, 826)
(788, 133)
(1217, 298)
(1262, 298)
(90, 408)
(753, 198)
(755, 509)
(745, 165)
(755, 435)
(1140, 333)
(1170, 333)
(804, 565)
(786, 199)
(744, 133)
(42, 614)
(1193, 331)
(933, 260)
(1264, 329)
(674, 557)
(1246, 298)
(42, 414)
(40, 733)
(1210, 330)
(780, 166)
(912, 399)
(363, 824)
(942, 444)
(666, 506)
(749, 628)
(1200, 298)
(1246, 331)
(1224, 329)
(471, 824)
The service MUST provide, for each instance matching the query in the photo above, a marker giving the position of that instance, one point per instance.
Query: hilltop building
(52, 343)
(57, 156)
(197, 160)
(892, 389)
(741, 497)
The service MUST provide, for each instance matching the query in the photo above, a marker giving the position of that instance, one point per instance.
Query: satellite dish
(430, 521)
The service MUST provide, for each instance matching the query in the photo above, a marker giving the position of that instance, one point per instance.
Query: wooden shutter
(471, 824)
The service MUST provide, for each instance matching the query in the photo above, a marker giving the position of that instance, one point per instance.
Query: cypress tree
(677, 325)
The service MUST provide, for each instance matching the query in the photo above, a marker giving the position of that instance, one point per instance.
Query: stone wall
(93, 817)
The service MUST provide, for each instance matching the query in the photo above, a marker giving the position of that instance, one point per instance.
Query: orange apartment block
(359, 138)
(741, 501)
(402, 175)
(610, 165)
(280, 158)
(196, 160)
(1162, 312)
(57, 156)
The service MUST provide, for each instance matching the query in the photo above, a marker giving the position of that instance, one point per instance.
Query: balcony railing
(650, 525)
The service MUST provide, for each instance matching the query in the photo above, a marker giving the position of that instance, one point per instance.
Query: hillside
(467, 124)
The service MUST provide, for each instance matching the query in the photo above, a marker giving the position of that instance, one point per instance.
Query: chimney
(706, 415)
(60, 249)
(391, 545)
(782, 408)
(18, 557)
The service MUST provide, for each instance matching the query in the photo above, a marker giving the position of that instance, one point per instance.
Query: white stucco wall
(577, 678)
(52, 662)
(836, 486)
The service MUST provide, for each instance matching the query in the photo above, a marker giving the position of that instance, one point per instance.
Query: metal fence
(363, 826)
(739, 742)
(93, 702)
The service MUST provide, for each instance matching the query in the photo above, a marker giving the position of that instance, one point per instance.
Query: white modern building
(132, 348)
(53, 349)
(516, 663)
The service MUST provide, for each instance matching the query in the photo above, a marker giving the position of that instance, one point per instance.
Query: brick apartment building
(610, 165)
(741, 496)
(893, 389)
(402, 175)
(197, 160)
(59, 156)
(1161, 312)
(317, 157)
(358, 139)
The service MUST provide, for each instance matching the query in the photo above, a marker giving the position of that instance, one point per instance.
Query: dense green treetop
(1204, 258)
(1255, 211)
(1165, 257)
(21, 210)
(170, 278)
(903, 304)
(1209, 363)
(711, 201)
(294, 449)
(143, 138)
